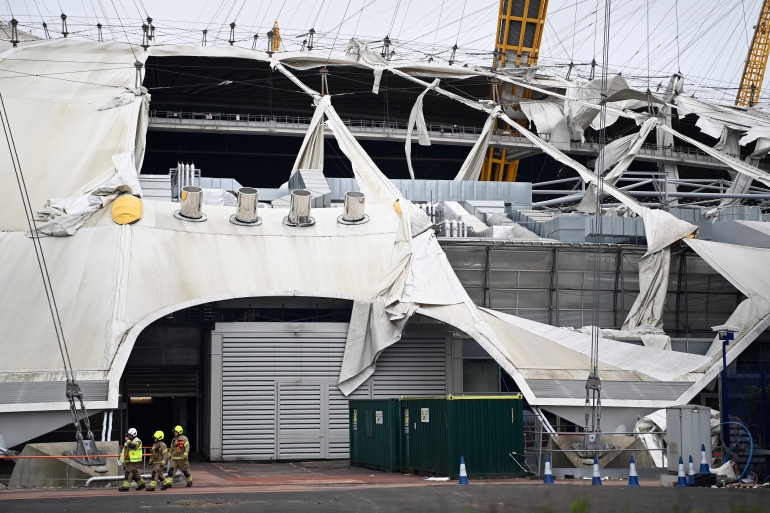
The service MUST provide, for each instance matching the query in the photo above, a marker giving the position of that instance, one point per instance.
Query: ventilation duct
(191, 205)
(299, 209)
(246, 212)
(355, 202)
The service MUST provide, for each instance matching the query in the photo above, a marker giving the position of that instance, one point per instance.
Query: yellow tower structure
(519, 32)
(276, 37)
(756, 62)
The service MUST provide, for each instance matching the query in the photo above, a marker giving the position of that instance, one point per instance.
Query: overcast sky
(706, 39)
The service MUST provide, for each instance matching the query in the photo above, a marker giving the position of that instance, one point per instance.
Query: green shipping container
(374, 434)
(484, 430)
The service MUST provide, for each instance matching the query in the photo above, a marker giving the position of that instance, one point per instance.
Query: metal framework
(756, 61)
(519, 32)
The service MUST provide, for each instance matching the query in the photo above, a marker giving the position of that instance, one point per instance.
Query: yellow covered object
(127, 209)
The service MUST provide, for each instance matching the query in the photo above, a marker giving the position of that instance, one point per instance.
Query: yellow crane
(517, 43)
(756, 62)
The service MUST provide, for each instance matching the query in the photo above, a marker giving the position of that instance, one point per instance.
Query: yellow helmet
(158, 434)
(178, 430)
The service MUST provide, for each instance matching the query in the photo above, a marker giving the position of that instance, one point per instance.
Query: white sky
(713, 35)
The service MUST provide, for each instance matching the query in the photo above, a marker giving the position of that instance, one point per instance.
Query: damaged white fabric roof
(112, 281)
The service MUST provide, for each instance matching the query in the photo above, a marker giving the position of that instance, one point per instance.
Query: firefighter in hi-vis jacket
(180, 448)
(158, 459)
(131, 457)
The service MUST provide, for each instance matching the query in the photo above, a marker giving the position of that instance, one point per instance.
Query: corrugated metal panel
(50, 391)
(260, 360)
(162, 382)
(639, 390)
(414, 366)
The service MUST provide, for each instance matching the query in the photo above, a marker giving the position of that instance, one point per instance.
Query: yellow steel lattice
(517, 43)
(756, 62)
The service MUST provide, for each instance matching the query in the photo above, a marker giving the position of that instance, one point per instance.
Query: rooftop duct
(191, 205)
(246, 212)
(299, 209)
(354, 209)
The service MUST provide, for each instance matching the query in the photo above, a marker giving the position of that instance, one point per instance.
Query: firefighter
(158, 459)
(131, 458)
(180, 449)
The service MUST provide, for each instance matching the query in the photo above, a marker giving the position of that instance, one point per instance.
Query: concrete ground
(335, 486)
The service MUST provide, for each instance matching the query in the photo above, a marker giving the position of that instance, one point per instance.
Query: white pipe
(192, 174)
(464, 231)
(453, 228)
(179, 177)
(104, 425)
(188, 178)
(111, 478)
(109, 428)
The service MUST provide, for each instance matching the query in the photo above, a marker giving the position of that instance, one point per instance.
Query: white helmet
(132, 432)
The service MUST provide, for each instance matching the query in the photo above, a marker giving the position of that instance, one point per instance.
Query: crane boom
(517, 42)
(756, 62)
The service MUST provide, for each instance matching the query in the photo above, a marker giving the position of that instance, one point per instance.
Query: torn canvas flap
(662, 229)
(118, 100)
(419, 274)
(372, 182)
(471, 167)
(741, 182)
(377, 79)
(311, 153)
(744, 267)
(417, 118)
(545, 114)
(653, 286)
(64, 216)
(732, 162)
(614, 152)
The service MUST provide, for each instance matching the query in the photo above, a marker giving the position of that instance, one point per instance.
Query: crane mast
(756, 62)
(517, 43)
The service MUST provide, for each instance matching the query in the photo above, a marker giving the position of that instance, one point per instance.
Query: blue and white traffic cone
(704, 466)
(633, 479)
(463, 473)
(548, 476)
(691, 474)
(596, 479)
(681, 479)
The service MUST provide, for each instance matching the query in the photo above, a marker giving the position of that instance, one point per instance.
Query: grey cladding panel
(50, 391)
(618, 390)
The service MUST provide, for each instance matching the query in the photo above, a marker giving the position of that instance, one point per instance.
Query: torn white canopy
(417, 118)
(311, 153)
(745, 268)
(471, 167)
(621, 151)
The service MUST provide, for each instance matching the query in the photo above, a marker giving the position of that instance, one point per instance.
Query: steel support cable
(29, 215)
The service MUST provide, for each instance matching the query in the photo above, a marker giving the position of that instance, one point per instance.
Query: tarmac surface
(333, 486)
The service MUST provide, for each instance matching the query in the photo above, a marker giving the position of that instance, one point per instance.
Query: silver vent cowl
(299, 209)
(246, 212)
(191, 207)
(355, 203)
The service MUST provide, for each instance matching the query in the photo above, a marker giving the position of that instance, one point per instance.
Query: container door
(405, 428)
(299, 421)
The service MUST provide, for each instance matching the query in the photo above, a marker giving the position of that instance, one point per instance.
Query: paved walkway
(285, 477)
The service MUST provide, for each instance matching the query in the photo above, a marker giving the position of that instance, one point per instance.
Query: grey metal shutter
(415, 366)
(162, 382)
(256, 356)
(300, 420)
